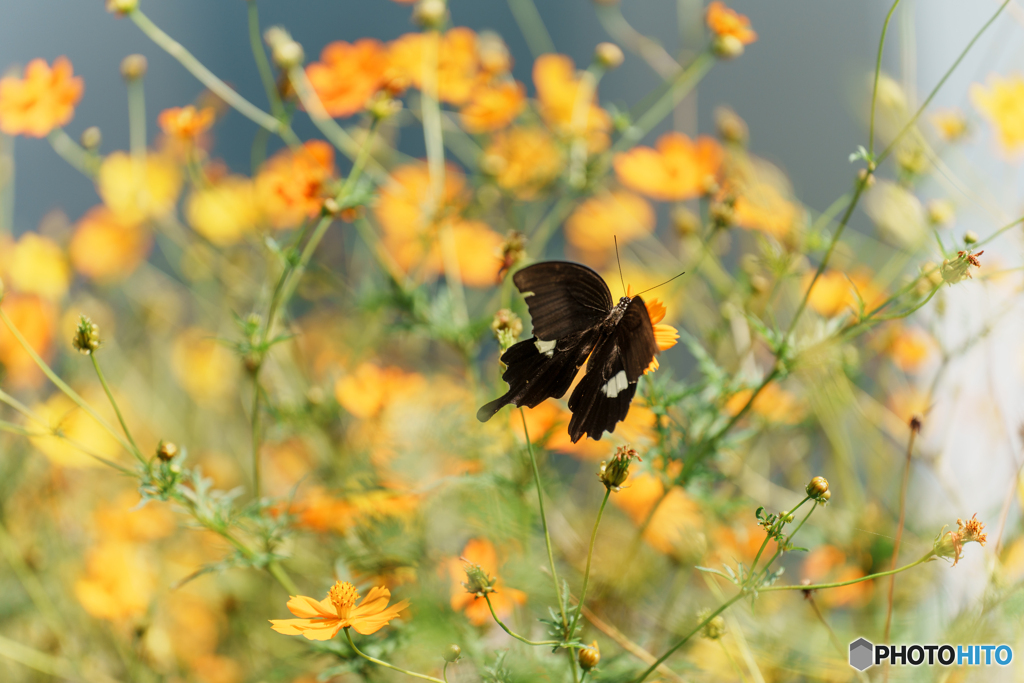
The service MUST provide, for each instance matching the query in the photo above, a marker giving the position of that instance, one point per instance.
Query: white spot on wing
(546, 347)
(616, 385)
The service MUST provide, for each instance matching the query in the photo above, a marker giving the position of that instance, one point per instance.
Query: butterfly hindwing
(634, 336)
(564, 298)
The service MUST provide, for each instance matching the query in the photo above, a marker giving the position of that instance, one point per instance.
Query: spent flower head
(715, 628)
(477, 581)
(959, 269)
(87, 336)
(614, 472)
(506, 326)
(950, 544)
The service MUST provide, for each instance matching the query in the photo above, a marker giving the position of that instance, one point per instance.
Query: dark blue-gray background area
(800, 87)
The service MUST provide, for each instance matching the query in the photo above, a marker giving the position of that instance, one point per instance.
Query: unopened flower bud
(477, 581)
(817, 487)
(589, 656)
(722, 212)
(430, 14)
(87, 336)
(731, 128)
(941, 212)
(383, 106)
(684, 221)
(122, 7)
(493, 53)
(608, 55)
(452, 653)
(970, 237)
(614, 472)
(133, 67)
(285, 52)
(166, 450)
(866, 177)
(715, 628)
(727, 47)
(91, 138)
(824, 498)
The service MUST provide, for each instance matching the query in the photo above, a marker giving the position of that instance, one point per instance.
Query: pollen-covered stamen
(343, 596)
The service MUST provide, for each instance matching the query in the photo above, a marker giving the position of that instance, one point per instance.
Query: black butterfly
(573, 318)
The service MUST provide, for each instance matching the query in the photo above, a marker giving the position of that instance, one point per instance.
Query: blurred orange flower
(348, 74)
(480, 551)
(910, 347)
(103, 247)
(186, 123)
(36, 319)
(138, 191)
(616, 213)
(679, 169)
(214, 668)
(674, 519)
(827, 563)
(726, 22)
(665, 336)
(1002, 103)
(457, 64)
(762, 207)
(118, 582)
(225, 211)
(38, 266)
(365, 391)
(203, 366)
(122, 519)
(835, 292)
(773, 404)
(292, 184)
(321, 620)
(492, 107)
(42, 100)
(524, 160)
(558, 87)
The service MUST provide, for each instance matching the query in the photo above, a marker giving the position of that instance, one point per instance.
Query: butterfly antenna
(663, 283)
(619, 261)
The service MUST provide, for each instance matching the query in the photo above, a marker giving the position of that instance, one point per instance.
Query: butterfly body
(575, 319)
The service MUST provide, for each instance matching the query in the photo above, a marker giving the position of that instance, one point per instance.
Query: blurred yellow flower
(366, 390)
(835, 292)
(558, 87)
(492, 107)
(616, 213)
(524, 160)
(292, 185)
(60, 414)
(909, 402)
(679, 169)
(42, 100)
(348, 74)
(910, 347)
(225, 211)
(203, 366)
(214, 668)
(726, 22)
(186, 123)
(481, 552)
(762, 207)
(36, 319)
(950, 123)
(105, 248)
(38, 266)
(773, 404)
(137, 194)
(1002, 103)
(457, 64)
(404, 204)
(122, 519)
(118, 582)
(321, 620)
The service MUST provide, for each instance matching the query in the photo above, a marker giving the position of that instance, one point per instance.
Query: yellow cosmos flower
(524, 160)
(321, 620)
(204, 367)
(118, 582)
(1002, 103)
(136, 194)
(950, 123)
(558, 86)
(61, 415)
(224, 212)
(38, 266)
(106, 248)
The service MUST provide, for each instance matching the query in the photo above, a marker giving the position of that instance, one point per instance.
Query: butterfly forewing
(635, 339)
(564, 298)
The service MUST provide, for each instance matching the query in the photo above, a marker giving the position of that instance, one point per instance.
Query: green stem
(532, 26)
(379, 662)
(585, 92)
(997, 233)
(33, 587)
(207, 78)
(590, 557)
(839, 584)
(724, 606)
(262, 63)
(512, 633)
(45, 663)
(73, 153)
(899, 531)
(117, 411)
(256, 432)
(137, 124)
(52, 376)
(878, 72)
(942, 81)
(278, 572)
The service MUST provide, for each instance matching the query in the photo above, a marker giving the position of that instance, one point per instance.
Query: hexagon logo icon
(862, 654)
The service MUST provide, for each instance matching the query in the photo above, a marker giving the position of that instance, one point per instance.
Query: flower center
(343, 595)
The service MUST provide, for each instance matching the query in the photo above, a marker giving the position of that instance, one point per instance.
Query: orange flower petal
(308, 608)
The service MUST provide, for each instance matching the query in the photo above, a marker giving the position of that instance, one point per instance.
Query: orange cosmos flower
(480, 552)
(674, 519)
(348, 74)
(118, 582)
(138, 191)
(1002, 103)
(226, 211)
(558, 88)
(909, 348)
(773, 404)
(186, 123)
(524, 160)
(367, 390)
(292, 185)
(36, 319)
(106, 248)
(492, 107)
(726, 22)
(591, 227)
(678, 169)
(321, 620)
(835, 292)
(764, 208)
(38, 266)
(828, 563)
(41, 101)
(457, 63)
